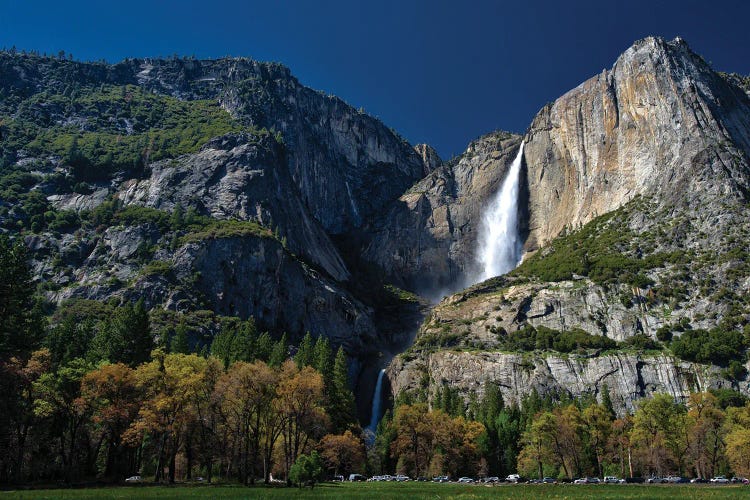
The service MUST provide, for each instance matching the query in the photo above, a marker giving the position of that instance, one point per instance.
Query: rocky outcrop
(257, 277)
(628, 377)
(659, 122)
(430, 158)
(426, 240)
(238, 177)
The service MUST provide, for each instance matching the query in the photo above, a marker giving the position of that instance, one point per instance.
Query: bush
(529, 338)
(664, 333)
(307, 470)
(717, 346)
(642, 342)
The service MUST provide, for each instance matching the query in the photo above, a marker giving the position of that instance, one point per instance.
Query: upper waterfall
(500, 245)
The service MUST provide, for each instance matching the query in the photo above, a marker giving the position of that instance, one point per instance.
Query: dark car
(549, 480)
(635, 480)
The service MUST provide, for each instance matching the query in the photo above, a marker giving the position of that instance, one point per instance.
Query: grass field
(395, 490)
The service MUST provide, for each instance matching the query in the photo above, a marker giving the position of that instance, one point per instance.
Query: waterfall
(376, 402)
(500, 245)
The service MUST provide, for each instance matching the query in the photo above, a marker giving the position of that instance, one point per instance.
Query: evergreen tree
(304, 355)
(21, 320)
(177, 219)
(323, 359)
(265, 346)
(341, 402)
(244, 346)
(70, 339)
(279, 352)
(180, 343)
(126, 338)
(236, 342)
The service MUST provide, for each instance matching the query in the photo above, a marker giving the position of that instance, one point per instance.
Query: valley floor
(411, 490)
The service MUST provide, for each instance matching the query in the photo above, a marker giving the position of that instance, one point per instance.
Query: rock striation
(660, 122)
(627, 377)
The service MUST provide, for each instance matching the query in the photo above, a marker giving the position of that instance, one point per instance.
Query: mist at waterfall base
(500, 245)
(500, 249)
(376, 409)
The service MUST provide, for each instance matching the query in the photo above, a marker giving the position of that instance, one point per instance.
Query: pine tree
(21, 321)
(265, 346)
(177, 218)
(244, 345)
(304, 355)
(125, 338)
(342, 410)
(279, 352)
(180, 343)
(323, 359)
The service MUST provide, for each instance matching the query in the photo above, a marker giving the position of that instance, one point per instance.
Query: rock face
(426, 241)
(628, 377)
(257, 277)
(659, 122)
(238, 177)
(660, 143)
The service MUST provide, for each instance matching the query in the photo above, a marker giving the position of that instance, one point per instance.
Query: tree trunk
(630, 461)
(188, 458)
(172, 460)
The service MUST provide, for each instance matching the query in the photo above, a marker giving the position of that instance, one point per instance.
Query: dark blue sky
(438, 71)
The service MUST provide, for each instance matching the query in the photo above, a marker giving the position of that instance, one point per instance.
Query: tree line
(557, 436)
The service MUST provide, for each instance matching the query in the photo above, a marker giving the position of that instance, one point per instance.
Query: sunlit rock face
(660, 121)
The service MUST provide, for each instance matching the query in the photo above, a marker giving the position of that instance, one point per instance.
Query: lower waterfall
(376, 404)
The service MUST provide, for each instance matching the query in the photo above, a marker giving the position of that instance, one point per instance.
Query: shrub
(307, 470)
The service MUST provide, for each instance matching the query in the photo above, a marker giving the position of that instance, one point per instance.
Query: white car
(465, 480)
(513, 478)
(400, 478)
(587, 480)
(133, 479)
(613, 480)
(719, 479)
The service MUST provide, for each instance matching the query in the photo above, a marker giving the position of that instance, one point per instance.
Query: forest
(85, 399)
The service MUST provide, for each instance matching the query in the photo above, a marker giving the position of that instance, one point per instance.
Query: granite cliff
(636, 187)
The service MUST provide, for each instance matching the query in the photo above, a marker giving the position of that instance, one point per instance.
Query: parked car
(422, 479)
(613, 480)
(492, 479)
(676, 479)
(357, 477)
(513, 478)
(338, 478)
(698, 480)
(719, 480)
(465, 480)
(587, 480)
(549, 480)
(401, 478)
(656, 480)
(133, 479)
(740, 480)
(440, 479)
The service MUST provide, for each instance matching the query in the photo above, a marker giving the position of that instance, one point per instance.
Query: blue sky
(441, 72)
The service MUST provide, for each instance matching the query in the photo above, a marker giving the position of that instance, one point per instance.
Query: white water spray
(500, 245)
(376, 402)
